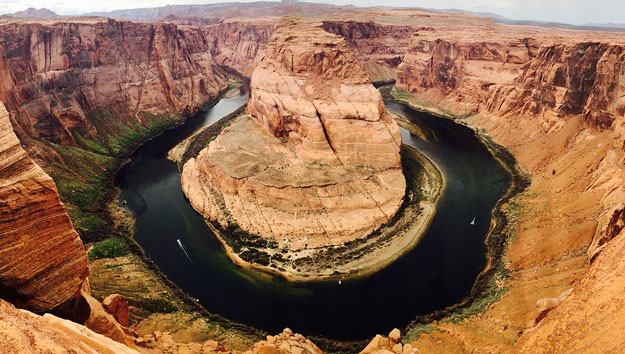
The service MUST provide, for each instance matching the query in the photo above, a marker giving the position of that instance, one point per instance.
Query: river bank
(431, 276)
(488, 287)
(366, 255)
(160, 305)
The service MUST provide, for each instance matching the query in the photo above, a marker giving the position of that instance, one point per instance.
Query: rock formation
(286, 342)
(378, 47)
(43, 263)
(389, 345)
(238, 45)
(24, 332)
(69, 78)
(565, 80)
(458, 72)
(554, 99)
(315, 161)
(117, 306)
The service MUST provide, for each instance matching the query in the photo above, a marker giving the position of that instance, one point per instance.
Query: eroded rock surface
(72, 77)
(24, 332)
(554, 99)
(43, 263)
(315, 161)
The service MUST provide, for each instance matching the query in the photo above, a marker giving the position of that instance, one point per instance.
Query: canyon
(314, 162)
(552, 97)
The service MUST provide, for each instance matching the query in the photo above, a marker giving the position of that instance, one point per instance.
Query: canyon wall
(554, 100)
(315, 161)
(378, 47)
(238, 45)
(563, 80)
(43, 263)
(457, 72)
(69, 78)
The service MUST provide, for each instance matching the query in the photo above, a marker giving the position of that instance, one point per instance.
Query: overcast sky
(569, 11)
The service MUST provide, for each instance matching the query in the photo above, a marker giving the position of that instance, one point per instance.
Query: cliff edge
(315, 162)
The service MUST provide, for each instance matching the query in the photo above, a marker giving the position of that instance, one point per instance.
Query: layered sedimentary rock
(458, 72)
(315, 161)
(24, 332)
(65, 78)
(238, 45)
(379, 47)
(568, 79)
(558, 108)
(43, 263)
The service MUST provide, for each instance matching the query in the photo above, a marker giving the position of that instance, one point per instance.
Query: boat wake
(184, 250)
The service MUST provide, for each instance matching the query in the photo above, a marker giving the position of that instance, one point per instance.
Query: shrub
(111, 248)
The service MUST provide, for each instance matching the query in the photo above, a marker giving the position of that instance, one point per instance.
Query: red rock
(58, 75)
(317, 155)
(25, 332)
(117, 305)
(43, 263)
(100, 321)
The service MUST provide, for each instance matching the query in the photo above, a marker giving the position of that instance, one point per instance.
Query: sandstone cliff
(564, 80)
(43, 263)
(315, 161)
(378, 47)
(554, 100)
(68, 79)
(457, 72)
(238, 45)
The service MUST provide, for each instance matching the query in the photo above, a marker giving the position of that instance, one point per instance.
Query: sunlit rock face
(315, 161)
(43, 263)
(25, 332)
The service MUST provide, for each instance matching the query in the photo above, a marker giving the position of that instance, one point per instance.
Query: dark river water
(438, 272)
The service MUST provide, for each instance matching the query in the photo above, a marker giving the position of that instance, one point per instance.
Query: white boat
(184, 250)
(472, 221)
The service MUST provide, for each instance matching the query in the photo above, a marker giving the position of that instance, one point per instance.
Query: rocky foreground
(315, 161)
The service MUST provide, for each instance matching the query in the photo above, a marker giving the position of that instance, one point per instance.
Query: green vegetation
(81, 178)
(111, 248)
(153, 305)
(416, 331)
(415, 101)
(84, 173)
(117, 138)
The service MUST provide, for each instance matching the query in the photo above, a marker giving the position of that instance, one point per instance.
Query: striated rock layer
(24, 332)
(556, 103)
(43, 263)
(238, 45)
(379, 47)
(66, 78)
(315, 161)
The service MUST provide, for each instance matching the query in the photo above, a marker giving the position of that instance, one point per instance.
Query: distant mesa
(31, 12)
